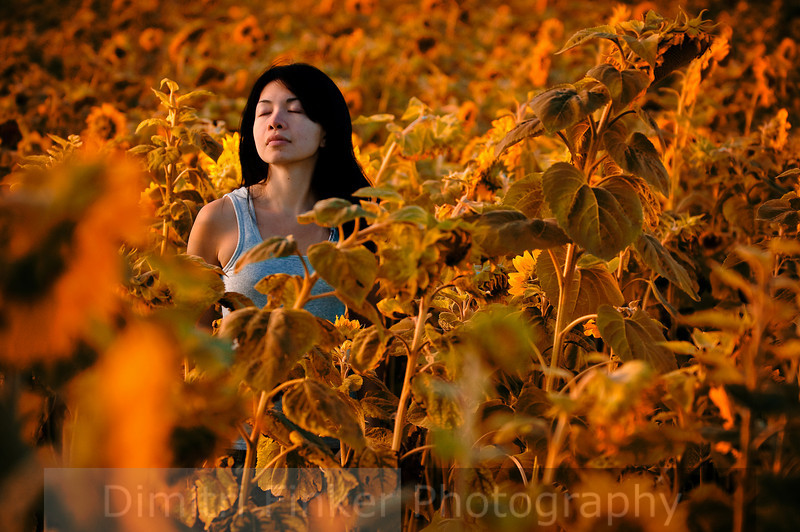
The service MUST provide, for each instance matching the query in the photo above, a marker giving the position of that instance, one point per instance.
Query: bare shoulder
(214, 222)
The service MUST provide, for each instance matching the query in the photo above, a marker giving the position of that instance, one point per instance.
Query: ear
(322, 142)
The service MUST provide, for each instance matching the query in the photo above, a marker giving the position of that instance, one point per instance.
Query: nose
(276, 120)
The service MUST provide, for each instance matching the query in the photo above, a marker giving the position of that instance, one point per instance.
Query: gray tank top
(244, 281)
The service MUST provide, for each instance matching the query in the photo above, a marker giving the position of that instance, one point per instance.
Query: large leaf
(440, 400)
(289, 476)
(590, 287)
(638, 156)
(623, 85)
(785, 211)
(636, 338)
(340, 482)
(603, 220)
(332, 212)
(217, 490)
(565, 105)
(526, 195)
(580, 37)
(284, 516)
(271, 344)
(507, 232)
(350, 271)
(377, 471)
(526, 129)
(320, 410)
(645, 47)
(280, 289)
(274, 247)
(367, 349)
(657, 257)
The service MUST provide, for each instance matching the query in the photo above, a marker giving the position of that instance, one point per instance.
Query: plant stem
(305, 291)
(561, 316)
(413, 355)
(250, 455)
(554, 448)
(384, 163)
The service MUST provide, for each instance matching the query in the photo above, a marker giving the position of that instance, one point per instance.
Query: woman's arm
(205, 240)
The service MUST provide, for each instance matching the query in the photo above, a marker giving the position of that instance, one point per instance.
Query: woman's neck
(287, 190)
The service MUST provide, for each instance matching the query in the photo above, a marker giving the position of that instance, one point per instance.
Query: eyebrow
(288, 100)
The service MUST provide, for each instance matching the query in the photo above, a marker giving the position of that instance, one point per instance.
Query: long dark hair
(337, 174)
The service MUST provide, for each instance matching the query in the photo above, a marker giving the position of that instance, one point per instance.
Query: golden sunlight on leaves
(575, 271)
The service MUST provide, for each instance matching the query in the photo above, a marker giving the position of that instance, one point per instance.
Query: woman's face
(282, 131)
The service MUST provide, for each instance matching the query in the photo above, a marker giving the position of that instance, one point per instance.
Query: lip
(277, 140)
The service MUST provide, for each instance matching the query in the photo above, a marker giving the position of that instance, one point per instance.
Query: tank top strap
(249, 235)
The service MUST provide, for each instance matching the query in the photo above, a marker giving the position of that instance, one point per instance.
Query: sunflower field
(573, 286)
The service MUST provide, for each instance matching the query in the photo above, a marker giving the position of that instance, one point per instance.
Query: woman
(296, 149)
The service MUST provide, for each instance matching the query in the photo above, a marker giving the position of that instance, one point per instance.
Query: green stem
(413, 355)
(554, 449)
(305, 291)
(591, 154)
(561, 316)
(250, 454)
(384, 163)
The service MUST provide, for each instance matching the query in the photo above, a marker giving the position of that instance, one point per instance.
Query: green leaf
(281, 289)
(173, 87)
(234, 325)
(272, 344)
(383, 193)
(565, 105)
(141, 148)
(411, 214)
(526, 129)
(623, 85)
(340, 483)
(193, 96)
(271, 248)
(163, 97)
(507, 232)
(379, 118)
(590, 287)
(604, 220)
(235, 301)
(158, 122)
(351, 271)
(637, 156)
(780, 210)
(367, 350)
(726, 320)
(208, 144)
(526, 195)
(289, 477)
(333, 212)
(440, 400)
(323, 411)
(286, 515)
(217, 491)
(376, 468)
(580, 37)
(329, 335)
(787, 173)
(644, 47)
(661, 261)
(636, 338)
